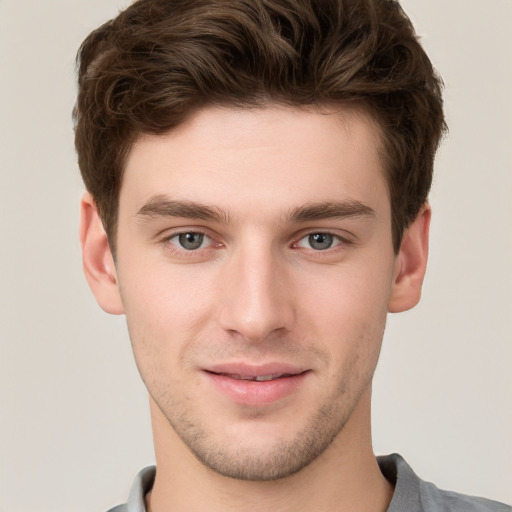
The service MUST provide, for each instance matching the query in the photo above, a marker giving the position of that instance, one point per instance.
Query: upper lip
(245, 370)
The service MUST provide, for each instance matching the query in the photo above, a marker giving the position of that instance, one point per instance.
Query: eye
(319, 241)
(190, 241)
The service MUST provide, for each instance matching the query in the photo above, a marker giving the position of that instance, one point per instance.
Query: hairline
(360, 108)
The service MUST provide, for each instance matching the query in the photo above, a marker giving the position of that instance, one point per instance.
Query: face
(255, 266)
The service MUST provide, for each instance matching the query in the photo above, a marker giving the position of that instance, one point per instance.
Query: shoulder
(412, 494)
(437, 500)
(119, 508)
(141, 486)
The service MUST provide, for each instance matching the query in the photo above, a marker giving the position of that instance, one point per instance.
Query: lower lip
(249, 392)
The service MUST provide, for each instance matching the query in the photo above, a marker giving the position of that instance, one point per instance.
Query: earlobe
(411, 263)
(99, 267)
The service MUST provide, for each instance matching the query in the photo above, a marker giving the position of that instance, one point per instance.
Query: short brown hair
(158, 61)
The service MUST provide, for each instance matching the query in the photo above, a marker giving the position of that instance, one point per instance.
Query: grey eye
(191, 241)
(320, 241)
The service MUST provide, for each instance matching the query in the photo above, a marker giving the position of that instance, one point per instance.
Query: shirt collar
(405, 497)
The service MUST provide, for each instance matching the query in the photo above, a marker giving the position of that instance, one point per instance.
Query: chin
(255, 454)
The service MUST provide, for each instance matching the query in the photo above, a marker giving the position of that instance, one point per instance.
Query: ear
(99, 267)
(411, 263)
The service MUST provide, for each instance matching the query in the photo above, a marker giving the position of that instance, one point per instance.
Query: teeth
(263, 378)
(258, 378)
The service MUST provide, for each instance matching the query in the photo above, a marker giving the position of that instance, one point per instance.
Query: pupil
(191, 241)
(320, 241)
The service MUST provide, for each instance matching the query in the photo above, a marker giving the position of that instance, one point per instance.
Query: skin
(272, 279)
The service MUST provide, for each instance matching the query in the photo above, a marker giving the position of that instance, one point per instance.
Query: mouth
(256, 385)
(256, 378)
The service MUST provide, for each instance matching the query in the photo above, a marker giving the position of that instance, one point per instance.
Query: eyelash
(183, 252)
(337, 240)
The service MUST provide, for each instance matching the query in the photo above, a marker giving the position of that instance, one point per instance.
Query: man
(257, 176)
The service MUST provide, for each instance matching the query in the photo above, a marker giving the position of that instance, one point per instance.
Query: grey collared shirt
(411, 493)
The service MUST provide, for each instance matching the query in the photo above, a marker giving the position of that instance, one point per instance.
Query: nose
(257, 298)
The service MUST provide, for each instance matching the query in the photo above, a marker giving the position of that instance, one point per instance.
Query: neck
(345, 477)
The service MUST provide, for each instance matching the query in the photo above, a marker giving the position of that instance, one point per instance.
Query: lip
(233, 380)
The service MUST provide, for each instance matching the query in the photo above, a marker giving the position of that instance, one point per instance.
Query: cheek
(348, 314)
(163, 294)
(165, 311)
(348, 295)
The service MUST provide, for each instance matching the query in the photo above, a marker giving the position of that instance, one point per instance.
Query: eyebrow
(330, 210)
(162, 206)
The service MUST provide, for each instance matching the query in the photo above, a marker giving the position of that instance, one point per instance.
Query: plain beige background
(74, 424)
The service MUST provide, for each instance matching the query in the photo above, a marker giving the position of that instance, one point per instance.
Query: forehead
(273, 157)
